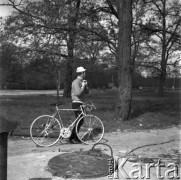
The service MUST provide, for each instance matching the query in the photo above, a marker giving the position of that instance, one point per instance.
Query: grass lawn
(148, 110)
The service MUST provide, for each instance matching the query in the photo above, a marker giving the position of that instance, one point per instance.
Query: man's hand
(84, 83)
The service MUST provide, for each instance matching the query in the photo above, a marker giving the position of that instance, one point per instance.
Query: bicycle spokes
(45, 130)
(90, 129)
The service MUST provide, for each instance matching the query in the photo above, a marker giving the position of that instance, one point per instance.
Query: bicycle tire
(89, 129)
(45, 131)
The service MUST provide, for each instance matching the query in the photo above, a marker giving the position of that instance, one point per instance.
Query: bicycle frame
(73, 123)
(46, 130)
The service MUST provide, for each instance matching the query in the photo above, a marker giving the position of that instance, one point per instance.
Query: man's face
(83, 74)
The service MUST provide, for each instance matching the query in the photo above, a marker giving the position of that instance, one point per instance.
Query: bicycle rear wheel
(90, 129)
(45, 130)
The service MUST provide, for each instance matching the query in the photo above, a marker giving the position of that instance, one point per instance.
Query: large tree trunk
(70, 46)
(58, 85)
(163, 73)
(68, 78)
(164, 59)
(124, 96)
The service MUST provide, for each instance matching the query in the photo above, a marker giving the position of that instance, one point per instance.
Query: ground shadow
(40, 179)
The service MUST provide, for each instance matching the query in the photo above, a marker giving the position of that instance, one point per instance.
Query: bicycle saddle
(55, 104)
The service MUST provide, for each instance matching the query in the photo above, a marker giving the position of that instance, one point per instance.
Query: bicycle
(46, 130)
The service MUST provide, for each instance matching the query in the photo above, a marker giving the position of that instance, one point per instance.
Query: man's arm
(78, 88)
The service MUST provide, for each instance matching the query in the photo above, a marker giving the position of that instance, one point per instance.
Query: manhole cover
(82, 164)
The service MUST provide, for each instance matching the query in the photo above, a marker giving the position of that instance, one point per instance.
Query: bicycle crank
(65, 132)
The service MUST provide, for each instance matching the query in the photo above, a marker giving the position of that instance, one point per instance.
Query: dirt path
(26, 161)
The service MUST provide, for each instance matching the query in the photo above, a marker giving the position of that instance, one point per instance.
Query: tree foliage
(161, 51)
(100, 35)
(10, 64)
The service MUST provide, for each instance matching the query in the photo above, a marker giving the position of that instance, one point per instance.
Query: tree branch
(147, 66)
(174, 31)
(112, 8)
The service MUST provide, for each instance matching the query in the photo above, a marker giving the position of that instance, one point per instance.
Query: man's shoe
(74, 141)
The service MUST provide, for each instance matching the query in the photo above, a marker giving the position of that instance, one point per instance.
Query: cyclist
(79, 88)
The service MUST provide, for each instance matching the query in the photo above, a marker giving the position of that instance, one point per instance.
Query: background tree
(73, 16)
(124, 96)
(48, 31)
(163, 26)
(94, 34)
(10, 64)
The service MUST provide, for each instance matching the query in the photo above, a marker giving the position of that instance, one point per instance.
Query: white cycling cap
(80, 69)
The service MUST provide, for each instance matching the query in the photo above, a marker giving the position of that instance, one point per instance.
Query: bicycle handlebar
(89, 106)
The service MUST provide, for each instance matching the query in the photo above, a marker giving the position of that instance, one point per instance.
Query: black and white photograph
(90, 89)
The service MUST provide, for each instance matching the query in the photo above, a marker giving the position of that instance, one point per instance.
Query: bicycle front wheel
(45, 130)
(90, 129)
